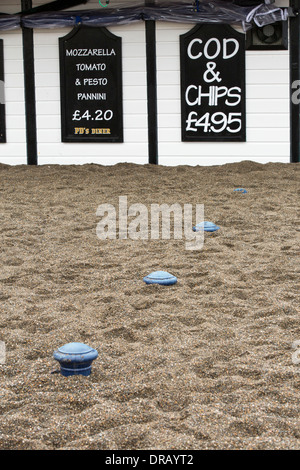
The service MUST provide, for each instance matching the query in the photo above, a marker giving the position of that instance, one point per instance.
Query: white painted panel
(267, 106)
(267, 91)
(167, 50)
(48, 122)
(94, 149)
(13, 66)
(14, 150)
(135, 50)
(15, 124)
(168, 63)
(50, 147)
(226, 148)
(137, 64)
(168, 92)
(45, 66)
(168, 121)
(168, 77)
(48, 107)
(47, 80)
(135, 121)
(46, 93)
(134, 93)
(263, 60)
(270, 134)
(218, 160)
(14, 52)
(13, 94)
(10, 7)
(267, 76)
(278, 105)
(15, 80)
(99, 159)
(267, 102)
(134, 106)
(281, 134)
(46, 50)
(268, 120)
(8, 159)
(15, 109)
(169, 106)
(13, 135)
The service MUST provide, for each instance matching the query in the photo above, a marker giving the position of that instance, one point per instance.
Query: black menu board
(91, 85)
(212, 61)
(2, 101)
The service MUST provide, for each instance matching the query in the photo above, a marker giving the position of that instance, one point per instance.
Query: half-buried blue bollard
(75, 359)
(206, 226)
(160, 277)
(240, 190)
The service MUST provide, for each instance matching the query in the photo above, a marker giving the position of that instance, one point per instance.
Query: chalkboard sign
(2, 101)
(91, 85)
(212, 61)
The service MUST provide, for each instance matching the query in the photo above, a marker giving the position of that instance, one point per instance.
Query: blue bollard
(206, 226)
(240, 190)
(160, 277)
(75, 359)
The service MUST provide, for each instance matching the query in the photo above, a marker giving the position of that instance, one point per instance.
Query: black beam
(52, 6)
(151, 87)
(29, 90)
(2, 101)
(151, 92)
(294, 83)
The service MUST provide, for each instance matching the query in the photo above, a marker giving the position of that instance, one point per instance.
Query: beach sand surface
(208, 363)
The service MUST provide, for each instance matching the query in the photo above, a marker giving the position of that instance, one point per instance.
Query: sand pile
(204, 364)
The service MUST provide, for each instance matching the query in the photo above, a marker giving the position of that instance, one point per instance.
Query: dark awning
(239, 12)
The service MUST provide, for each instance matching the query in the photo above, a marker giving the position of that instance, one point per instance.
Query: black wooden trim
(294, 77)
(52, 6)
(2, 104)
(29, 90)
(151, 91)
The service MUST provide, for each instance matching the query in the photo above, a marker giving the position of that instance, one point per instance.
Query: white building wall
(135, 146)
(267, 108)
(14, 150)
(10, 6)
(267, 102)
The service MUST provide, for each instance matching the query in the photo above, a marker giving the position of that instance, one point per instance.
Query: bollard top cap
(75, 352)
(75, 348)
(160, 277)
(206, 226)
(240, 190)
